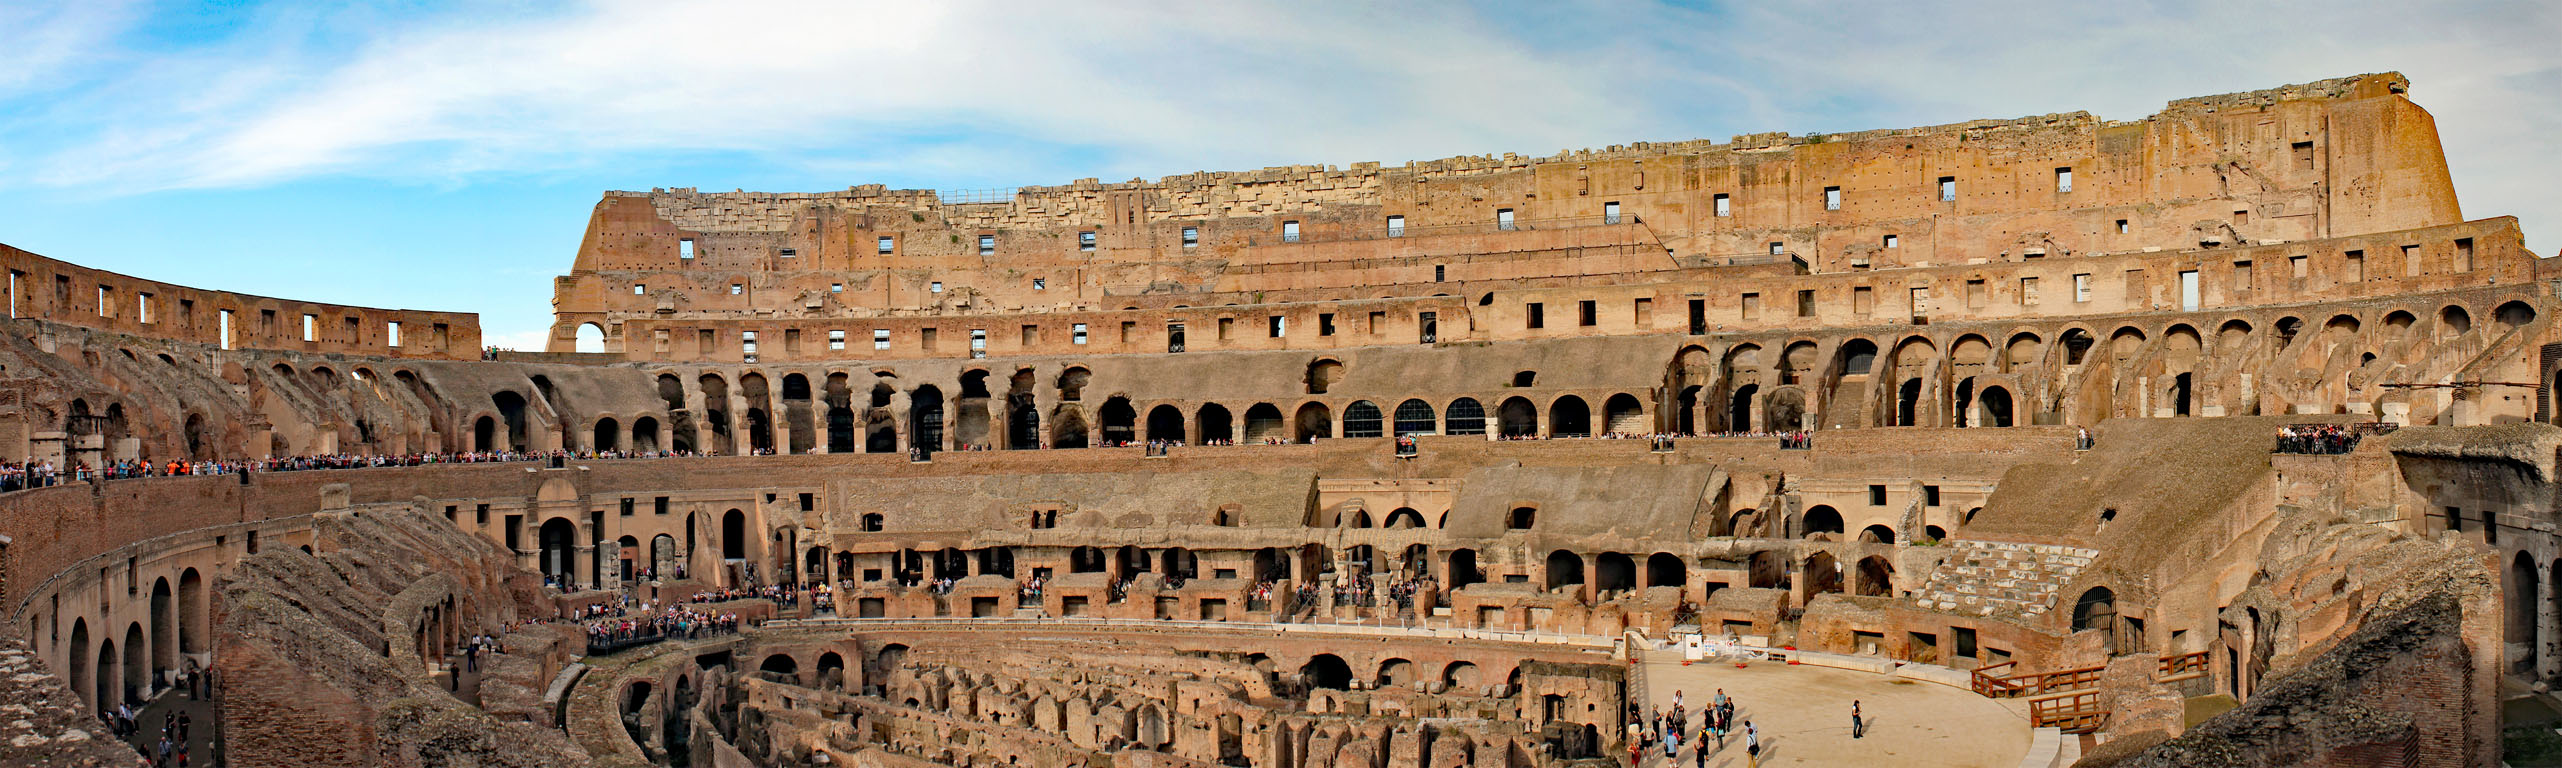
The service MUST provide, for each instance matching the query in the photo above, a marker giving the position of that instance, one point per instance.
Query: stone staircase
(1984, 578)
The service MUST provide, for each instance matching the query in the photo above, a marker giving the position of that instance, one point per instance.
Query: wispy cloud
(972, 92)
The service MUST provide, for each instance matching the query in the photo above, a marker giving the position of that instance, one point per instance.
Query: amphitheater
(2216, 437)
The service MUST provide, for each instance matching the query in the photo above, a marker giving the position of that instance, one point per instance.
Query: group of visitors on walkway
(1670, 729)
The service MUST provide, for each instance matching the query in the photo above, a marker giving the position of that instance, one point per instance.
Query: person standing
(1857, 729)
(1752, 746)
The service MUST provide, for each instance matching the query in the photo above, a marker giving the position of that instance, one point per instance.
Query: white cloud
(978, 90)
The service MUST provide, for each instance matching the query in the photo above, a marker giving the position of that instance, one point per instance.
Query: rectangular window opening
(1538, 315)
(685, 249)
(1725, 206)
(1750, 305)
(1077, 333)
(987, 245)
(2063, 180)
(1610, 213)
(1396, 226)
(1948, 189)
(1586, 313)
(1832, 198)
(1503, 218)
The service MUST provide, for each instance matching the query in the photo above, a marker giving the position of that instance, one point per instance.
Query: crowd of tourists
(2323, 439)
(38, 474)
(1669, 730)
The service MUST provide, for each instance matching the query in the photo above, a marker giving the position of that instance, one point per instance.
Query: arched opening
(840, 413)
(1820, 521)
(511, 410)
(1068, 428)
(1614, 572)
(1739, 408)
(1517, 418)
(2454, 321)
(1414, 417)
(1165, 424)
(1876, 577)
(1463, 569)
(191, 612)
(1907, 399)
(1216, 426)
(1361, 419)
(781, 667)
(484, 435)
(1787, 411)
(1877, 534)
(1569, 417)
(164, 629)
(2513, 314)
(1120, 421)
(1623, 415)
(1315, 420)
(1263, 424)
(1327, 671)
(1405, 518)
(2097, 609)
(1934, 534)
(608, 435)
(137, 665)
(734, 535)
(1564, 568)
(1995, 404)
(645, 434)
(1823, 574)
(628, 557)
(1396, 673)
(83, 667)
(830, 672)
(1663, 569)
(1461, 676)
(557, 540)
(1464, 417)
(1322, 375)
(1086, 560)
(1521, 518)
(925, 418)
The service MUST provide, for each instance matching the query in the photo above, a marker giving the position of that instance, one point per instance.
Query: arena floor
(1803, 714)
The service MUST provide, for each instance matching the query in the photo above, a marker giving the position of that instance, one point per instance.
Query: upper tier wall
(61, 292)
(2339, 157)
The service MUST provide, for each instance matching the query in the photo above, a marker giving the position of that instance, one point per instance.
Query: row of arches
(108, 668)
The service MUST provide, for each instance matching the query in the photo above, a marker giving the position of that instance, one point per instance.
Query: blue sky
(445, 155)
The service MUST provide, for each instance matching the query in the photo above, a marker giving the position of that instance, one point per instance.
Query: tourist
(1752, 745)
(1856, 728)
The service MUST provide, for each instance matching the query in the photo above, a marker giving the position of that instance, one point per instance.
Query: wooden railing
(1989, 682)
(2072, 712)
(2181, 667)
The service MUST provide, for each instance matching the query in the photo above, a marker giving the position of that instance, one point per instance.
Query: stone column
(583, 565)
(609, 574)
(2548, 629)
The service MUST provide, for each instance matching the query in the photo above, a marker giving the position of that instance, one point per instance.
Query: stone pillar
(2548, 630)
(609, 574)
(583, 565)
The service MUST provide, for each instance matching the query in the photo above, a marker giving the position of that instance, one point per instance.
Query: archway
(782, 665)
(557, 540)
(484, 435)
(191, 612)
(1569, 417)
(831, 671)
(1327, 671)
(1821, 520)
(1623, 415)
(1216, 426)
(1068, 430)
(925, 418)
(83, 667)
(1404, 518)
(1739, 409)
(1823, 573)
(1362, 419)
(1262, 423)
(1614, 571)
(608, 435)
(1663, 569)
(1119, 420)
(1877, 534)
(1517, 418)
(591, 338)
(1564, 568)
(137, 664)
(1314, 421)
(2097, 609)
(1414, 417)
(1876, 577)
(164, 630)
(1995, 404)
(1165, 424)
(1464, 417)
(734, 535)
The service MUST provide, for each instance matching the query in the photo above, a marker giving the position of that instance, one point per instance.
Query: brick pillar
(2548, 629)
